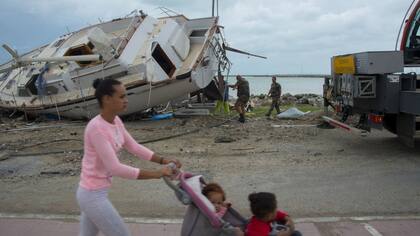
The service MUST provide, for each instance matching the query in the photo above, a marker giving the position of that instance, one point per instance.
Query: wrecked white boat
(157, 59)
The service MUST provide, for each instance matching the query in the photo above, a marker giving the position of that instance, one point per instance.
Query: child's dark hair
(104, 87)
(213, 187)
(262, 204)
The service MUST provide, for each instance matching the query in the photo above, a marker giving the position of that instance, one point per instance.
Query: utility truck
(374, 85)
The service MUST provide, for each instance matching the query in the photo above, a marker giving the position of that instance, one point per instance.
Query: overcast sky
(297, 36)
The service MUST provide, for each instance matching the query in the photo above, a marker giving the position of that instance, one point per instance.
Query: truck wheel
(390, 122)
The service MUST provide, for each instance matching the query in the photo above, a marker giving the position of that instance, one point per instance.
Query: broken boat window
(52, 90)
(198, 33)
(59, 43)
(22, 92)
(163, 60)
(81, 50)
(90, 45)
(29, 74)
(5, 75)
(10, 83)
(31, 84)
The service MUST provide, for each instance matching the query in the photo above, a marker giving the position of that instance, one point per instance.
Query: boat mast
(212, 9)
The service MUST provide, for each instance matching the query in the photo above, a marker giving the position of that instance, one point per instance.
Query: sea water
(292, 85)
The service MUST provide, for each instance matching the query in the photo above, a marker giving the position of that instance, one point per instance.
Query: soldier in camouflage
(274, 93)
(243, 96)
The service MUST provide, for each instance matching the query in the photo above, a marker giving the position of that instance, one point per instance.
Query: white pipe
(10, 51)
(60, 59)
(24, 61)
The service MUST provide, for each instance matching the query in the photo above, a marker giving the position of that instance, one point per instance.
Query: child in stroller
(201, 217)
(217, 197)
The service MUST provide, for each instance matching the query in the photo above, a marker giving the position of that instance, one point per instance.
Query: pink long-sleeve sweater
(102, 142)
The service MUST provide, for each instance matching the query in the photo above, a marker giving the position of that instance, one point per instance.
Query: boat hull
(139, 98)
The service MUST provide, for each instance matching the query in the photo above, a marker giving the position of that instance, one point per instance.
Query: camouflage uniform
(243, 92)
(275, 92)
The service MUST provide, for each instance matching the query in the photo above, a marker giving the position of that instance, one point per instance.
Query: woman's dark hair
(262, 204)
(104, 87)
(213, 187)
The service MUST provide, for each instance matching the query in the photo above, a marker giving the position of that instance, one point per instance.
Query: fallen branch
(4, 157)
(43, 153)
(185, 133)
(40, 127)
(48, 142)
(242, 149)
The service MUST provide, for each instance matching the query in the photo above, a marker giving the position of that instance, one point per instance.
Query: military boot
(241, 118)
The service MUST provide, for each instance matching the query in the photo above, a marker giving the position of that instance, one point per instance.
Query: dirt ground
(313, 171)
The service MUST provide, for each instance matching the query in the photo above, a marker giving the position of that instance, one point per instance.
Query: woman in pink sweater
(105, 135)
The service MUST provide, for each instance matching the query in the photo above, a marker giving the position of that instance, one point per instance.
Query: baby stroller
(200, 218)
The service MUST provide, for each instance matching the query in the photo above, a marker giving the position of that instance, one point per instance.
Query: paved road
(318, 174)
(407, 226)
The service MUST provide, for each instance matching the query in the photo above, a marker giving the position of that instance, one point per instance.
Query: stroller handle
(181, 194)
(185, 194)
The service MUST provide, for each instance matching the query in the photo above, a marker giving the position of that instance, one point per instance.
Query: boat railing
(135, 23)
(168, 12)
(220, 52)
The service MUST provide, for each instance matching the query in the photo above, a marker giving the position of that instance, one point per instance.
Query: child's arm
(239, 232)
(287, 232)
(289, 223)
(227, 204)
(290, 227)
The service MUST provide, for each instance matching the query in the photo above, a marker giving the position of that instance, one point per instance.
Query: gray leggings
(98, 214)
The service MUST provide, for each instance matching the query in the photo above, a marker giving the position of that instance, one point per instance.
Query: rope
(40, 127)
(56, 107)
(83, 96)
(41, 83)
(48, 142)
(150, 93)
(166, 108)
(150, 85)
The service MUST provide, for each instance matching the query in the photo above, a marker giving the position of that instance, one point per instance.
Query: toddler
(217, 197)
(267, 220)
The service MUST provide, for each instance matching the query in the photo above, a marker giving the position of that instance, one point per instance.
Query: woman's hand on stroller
(175, 161)
(167, 171)
(174, 170)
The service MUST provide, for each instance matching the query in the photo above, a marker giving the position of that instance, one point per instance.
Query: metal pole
(325, 88)
(212, 9)
(217, 8)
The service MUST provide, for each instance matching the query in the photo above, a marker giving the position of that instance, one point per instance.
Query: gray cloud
(298, 36)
